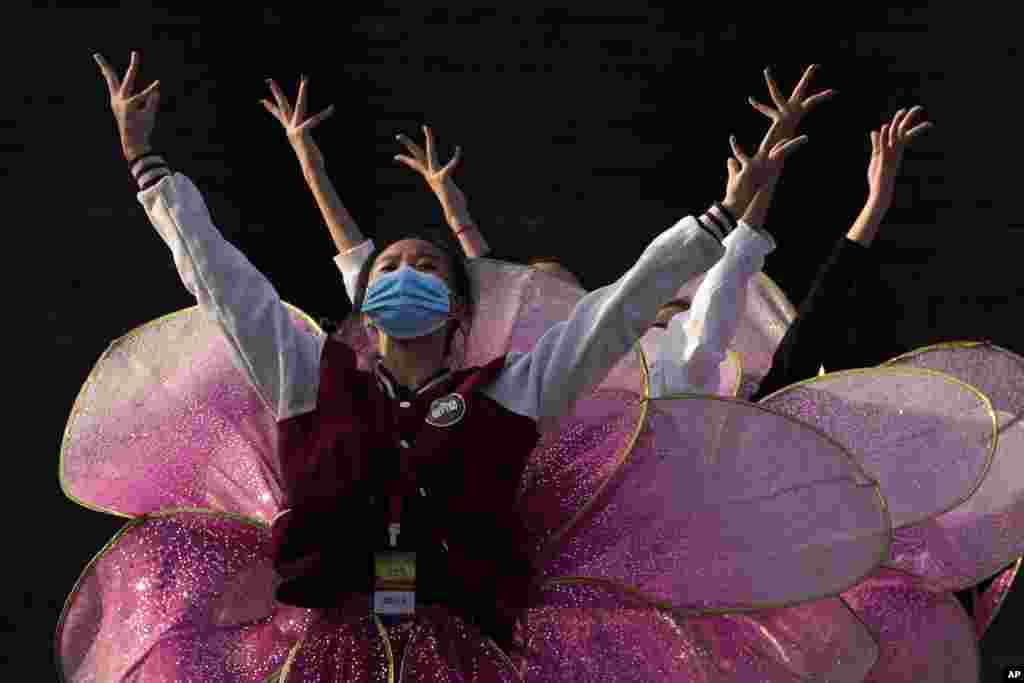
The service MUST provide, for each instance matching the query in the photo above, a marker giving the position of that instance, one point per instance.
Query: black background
(584, 134)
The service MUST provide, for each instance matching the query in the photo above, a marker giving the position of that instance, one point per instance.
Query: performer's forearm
(865, 228)
(456, 214)
(342, 226)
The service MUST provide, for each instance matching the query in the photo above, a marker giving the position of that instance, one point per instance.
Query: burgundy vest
(342, 459)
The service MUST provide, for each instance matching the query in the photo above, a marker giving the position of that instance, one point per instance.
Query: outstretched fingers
(798, 92)
(414, 149)
(451, 165)
(300, 100)
(917, 130)
(894, 126)
(773, 90)
(315, 121)
(784, 148)
(764, 109)
(113, 84)
(737, 151)
(144, 94)
(282, 102)
(431, 151)
(129, 77)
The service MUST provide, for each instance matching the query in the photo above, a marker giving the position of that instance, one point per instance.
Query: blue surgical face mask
(406, 304)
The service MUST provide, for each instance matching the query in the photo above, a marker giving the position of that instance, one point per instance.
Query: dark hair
(461, 284)
(682, 303)
(544, 259)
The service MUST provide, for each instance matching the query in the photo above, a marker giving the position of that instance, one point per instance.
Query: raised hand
(297, 127)
(425, 162)
(135, 113)
(887, 147)
(790, 111)
(748, 175)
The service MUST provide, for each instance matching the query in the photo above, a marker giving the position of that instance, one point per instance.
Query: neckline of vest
(390, 383)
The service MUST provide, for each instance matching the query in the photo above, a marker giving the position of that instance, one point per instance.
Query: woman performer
(353, 442)
(671, 372)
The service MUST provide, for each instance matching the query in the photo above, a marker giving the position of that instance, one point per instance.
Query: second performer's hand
(887, 147)
(297, 127)
(791, 110)
(439, 178)
(749, 174)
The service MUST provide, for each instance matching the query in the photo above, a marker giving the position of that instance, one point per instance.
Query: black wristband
(150, 183)
(145, 168)
(728, 215)
(132, 162)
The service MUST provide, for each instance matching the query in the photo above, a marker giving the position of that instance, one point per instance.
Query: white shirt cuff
(351, 262)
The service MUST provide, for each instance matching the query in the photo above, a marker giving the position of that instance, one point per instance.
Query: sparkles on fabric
(977, 538)
(691, 539)
(987, 603)
(179, 596)
(923, 635)
(926, 437)
(166, 420)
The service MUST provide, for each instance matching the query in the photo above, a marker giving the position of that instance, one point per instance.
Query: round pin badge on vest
(446, 411)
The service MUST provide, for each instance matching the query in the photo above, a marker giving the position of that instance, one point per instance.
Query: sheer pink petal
(922, 635)
(437, 647)
(186, 595)
(926, 437)
(166, 420)
(724, 504)
(971, 542)
(572, 639)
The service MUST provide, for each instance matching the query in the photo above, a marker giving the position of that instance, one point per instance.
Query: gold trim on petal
(76, 406)
(895, 369)
(389, 653)
(958, 344)
(870, 481)
(556, 537)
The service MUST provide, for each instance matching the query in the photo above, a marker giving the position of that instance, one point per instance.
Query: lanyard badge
(394, 579)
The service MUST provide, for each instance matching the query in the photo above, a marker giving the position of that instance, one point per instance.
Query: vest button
(403, 443)
(405, 404)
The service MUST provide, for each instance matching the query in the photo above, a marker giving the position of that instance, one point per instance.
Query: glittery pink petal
(986, 605)
(437, 647)
(927, 438)
(185, 595)
(971, 542)
(998, 373)
(761, 326)
(575, 458)
(724, 504)
(822, 640)
(166, 420)
(922, 635)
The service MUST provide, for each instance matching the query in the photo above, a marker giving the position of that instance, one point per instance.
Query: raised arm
(688, 360)
(453, 201)
(576, 355)
(819, 335)
(281, 362)
(348, 239)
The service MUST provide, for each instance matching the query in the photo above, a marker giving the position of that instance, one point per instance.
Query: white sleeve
(697, 344)
(576, 355)
(350, 263)
(282, 363)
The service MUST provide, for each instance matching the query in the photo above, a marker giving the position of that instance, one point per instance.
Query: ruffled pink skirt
(816, 535)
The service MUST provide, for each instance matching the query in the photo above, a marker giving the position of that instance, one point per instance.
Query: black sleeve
(825, 331)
